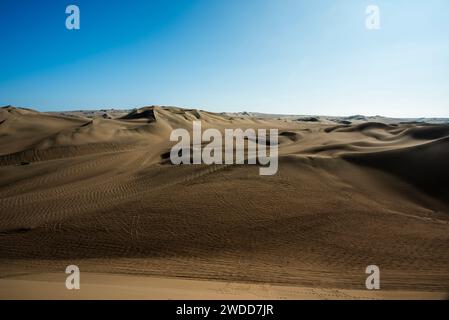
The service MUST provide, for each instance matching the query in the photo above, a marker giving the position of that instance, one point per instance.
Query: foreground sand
(101, 194)
(101, 286)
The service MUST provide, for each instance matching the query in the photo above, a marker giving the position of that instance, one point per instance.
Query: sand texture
(100, 192)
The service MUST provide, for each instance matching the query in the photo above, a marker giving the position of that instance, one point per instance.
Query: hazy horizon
(203, 109)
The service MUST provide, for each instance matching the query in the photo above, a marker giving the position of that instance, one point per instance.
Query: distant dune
(95, 189)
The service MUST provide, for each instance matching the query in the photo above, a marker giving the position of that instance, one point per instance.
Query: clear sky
(273, 56)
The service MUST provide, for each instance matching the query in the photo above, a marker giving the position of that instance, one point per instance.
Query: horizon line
(218, 112)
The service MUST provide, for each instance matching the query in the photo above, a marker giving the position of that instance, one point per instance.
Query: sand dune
(423, 166)
(100, 193)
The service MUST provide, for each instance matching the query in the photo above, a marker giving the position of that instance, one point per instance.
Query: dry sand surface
(106, 286)
(100, 193)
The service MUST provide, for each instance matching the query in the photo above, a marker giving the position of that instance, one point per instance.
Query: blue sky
(273, 56)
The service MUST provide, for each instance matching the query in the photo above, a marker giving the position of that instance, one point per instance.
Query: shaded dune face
(102, 193)
(147, 114)
(424, 166)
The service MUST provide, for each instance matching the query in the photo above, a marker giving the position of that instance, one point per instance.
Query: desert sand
(125, 287)
(98, 191)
